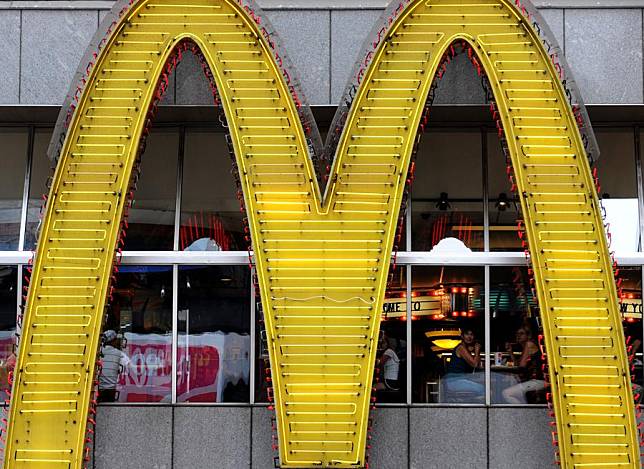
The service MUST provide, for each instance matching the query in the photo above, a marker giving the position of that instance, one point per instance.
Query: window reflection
(41, 171)
(210, 216)
(448, 335)
(516, 369)
(137, 342)
(448, 192)
(391, 386)
(14, 144)
(213, 355)
(504, 209)
(151, 219)
(617, 176)
(630, 302)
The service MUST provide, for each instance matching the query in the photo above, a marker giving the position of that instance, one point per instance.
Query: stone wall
(159, 437)
(41, 44)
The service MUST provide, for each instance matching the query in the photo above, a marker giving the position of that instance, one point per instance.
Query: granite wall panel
(520, 437)
(603, 46)
(53, 43)
(604, 50)
(130, 437)
(261, 442)
(211, 437)
(442, 437)
(305, 37)
(10, 53)
(349, 30)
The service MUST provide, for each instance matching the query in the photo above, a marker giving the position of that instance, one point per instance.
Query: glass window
(137, 342)
(213, 357)
(391, 386)
(630, 303)
(8, 310)
(447, 196)
(41, 171)
(211, 219)
(262, 364)
(448, 335)
(151, 221)
(515, 327)
(504, 208)
(14, 143)
(617, 176)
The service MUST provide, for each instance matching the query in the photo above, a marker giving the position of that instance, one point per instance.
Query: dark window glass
(41, 171)
(616, 164)
(516, 361)
(8, 309)
(213, 354)
(617, 177)
(504, 208)
(448, 335)
(211, 219)
(151, 220)
(262, 364)
(14, 144)
(447, 196)
(137, 342)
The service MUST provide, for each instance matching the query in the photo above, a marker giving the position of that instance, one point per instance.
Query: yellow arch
(588, 367)
(322, 262)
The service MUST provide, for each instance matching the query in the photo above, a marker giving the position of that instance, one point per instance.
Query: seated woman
(389, 386)
(461, 381)
(531, 373)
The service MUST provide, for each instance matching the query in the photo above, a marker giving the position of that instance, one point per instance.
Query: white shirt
(392, 365)
(113, 360)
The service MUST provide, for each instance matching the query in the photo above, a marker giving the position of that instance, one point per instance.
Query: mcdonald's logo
(322, 258)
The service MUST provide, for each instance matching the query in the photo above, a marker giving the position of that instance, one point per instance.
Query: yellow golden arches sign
(322, 261)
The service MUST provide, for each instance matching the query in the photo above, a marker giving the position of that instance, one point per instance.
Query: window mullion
(175, 305)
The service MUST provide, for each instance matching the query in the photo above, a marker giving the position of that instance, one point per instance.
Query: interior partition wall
(185, 304)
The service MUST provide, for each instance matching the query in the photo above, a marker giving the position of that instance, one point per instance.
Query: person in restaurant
(529, 368)
(389, 364)
(115, 361)
(461, 380)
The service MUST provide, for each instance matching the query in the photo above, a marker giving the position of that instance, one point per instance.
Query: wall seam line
(487, 436)
(408, 436)
(330, 56)
(20, 61)
(563, 30)
(172, 438)
(250, 440)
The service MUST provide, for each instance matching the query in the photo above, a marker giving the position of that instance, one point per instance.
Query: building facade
(185, 310)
